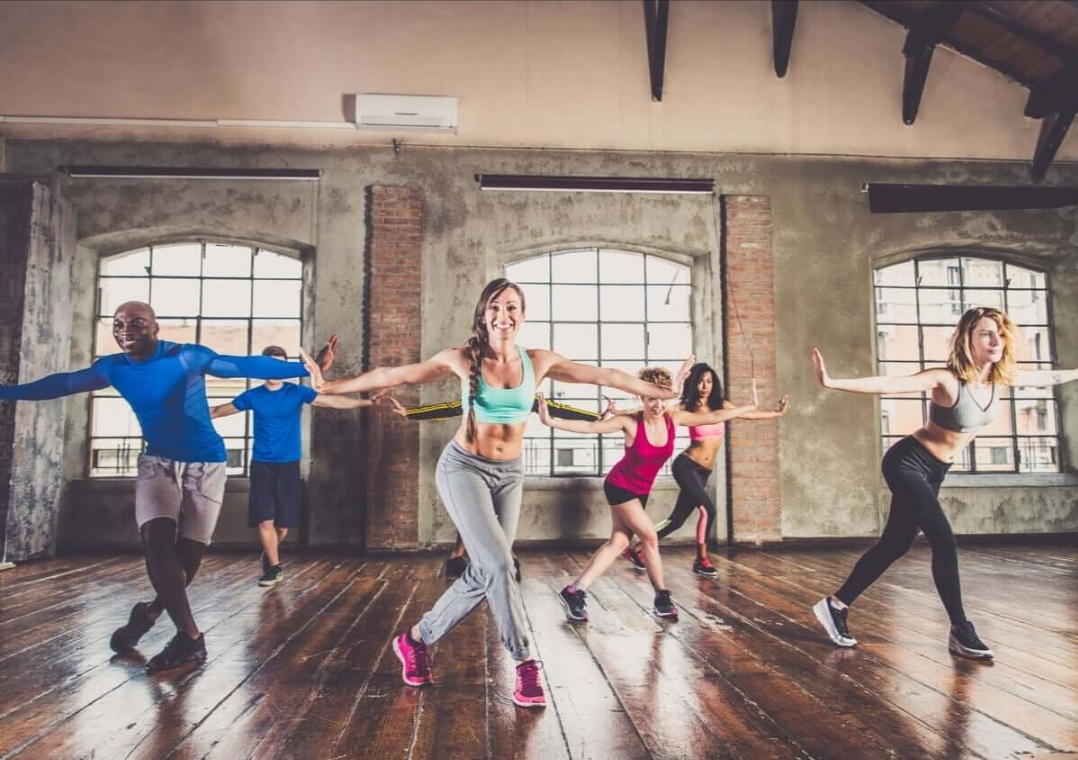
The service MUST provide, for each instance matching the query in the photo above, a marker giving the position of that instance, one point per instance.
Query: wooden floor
(305, 670)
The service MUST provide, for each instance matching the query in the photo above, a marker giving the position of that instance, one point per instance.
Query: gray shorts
(188, 493)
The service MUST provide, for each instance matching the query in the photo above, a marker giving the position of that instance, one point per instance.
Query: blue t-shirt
(277, 413)
(167, 393)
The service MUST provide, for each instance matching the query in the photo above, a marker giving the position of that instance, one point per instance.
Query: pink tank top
(714, 430)
(637, 470)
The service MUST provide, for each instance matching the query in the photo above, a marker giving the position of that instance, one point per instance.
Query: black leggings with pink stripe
(692, 480)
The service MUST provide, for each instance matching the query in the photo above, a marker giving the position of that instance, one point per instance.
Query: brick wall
(393, 319)
(749, 333)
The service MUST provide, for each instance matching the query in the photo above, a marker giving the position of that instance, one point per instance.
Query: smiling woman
(480, 474)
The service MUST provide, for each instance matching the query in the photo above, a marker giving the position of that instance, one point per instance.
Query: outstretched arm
(258, 367)
(609, 425)
(223, 410)
(779, 411)
(447, 409)
(55, 386)
(1044, 378)
(438, 367)
(566, 371)
(925, 380)
(346, 402)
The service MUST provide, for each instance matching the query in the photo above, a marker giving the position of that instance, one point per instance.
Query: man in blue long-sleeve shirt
(181, 473)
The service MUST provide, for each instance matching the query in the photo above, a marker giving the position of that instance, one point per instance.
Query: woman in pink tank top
(649, 442)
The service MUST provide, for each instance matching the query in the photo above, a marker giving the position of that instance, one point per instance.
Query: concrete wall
(527, 73)
(825, 247)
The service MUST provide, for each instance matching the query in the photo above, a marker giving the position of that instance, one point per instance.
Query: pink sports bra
(701, 432)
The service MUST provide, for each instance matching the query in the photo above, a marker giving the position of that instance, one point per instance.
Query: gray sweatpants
(482, 497)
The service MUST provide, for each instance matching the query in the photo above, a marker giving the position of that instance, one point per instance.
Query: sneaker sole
(973, 654)
(703, 574)
(522, 703)
(266, 584)
(197, 659)
(667, 615)
(569, 612)
(820, 611)
(404, 668)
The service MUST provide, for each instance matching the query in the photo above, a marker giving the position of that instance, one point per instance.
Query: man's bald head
(134, 326)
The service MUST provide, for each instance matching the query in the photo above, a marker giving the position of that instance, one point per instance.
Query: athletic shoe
(516, 568)
(664, 606)
(964, 641)
(272, 576)
(415, 668)
(573, 601)
(702, 566)
(528, 691)
(455, 567)
(182, 650)
(633, 555)
(833, 621)
(126, 636)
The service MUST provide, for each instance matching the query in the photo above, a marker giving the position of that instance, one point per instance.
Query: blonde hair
(961, 359)
(656, 376)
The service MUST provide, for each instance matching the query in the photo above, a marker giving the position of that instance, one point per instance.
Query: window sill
(1012, 480)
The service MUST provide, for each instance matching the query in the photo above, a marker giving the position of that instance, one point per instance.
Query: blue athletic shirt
(277, 413)
(167, 393)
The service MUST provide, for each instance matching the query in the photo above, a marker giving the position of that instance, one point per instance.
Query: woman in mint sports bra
(964, 398)
(649, 442)
(701, 392)
(480, 474)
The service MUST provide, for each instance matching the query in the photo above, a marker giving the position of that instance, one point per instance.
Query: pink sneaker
(633, 555)
(413, 657)
(529, 689)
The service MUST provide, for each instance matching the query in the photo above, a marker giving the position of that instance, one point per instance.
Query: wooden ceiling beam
(928, 30)
(1054, 94)
(783, 20)
(887, 198)
(655, 17)
(1053, 130)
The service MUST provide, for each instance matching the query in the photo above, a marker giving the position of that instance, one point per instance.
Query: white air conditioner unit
(406, 112)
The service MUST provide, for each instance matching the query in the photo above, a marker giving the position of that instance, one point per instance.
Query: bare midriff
(703, 452)
(493, 440)
(941, 443)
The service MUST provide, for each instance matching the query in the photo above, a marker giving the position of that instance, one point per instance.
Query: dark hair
(275, 351)
(690, 394)
(476, 346)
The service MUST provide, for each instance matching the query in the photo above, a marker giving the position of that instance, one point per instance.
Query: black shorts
(274, 494)
(617, 495)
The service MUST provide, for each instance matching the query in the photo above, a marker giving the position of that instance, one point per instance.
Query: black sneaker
(272, 576)
(125, 637)
(664, 606)
(573, 602)
(702, 566)
(833, 621)
(965, 642)
(455, 567)
(516, 568)
(633, 555)
(180, 651)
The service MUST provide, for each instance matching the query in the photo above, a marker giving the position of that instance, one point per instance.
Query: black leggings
(914, 477)
(692, 479)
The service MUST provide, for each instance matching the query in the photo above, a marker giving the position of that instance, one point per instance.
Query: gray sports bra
(966, 416)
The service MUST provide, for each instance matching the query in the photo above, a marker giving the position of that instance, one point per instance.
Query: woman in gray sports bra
(964, 398)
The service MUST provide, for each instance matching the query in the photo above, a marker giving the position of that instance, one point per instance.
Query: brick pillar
(393, 320)
(749, 325)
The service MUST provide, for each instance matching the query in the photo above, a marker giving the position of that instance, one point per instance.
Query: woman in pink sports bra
(701, 392)
(649, 442)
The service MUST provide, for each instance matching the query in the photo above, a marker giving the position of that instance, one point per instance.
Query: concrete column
(37, 243)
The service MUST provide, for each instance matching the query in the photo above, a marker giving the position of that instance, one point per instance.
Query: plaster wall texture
(825, 246)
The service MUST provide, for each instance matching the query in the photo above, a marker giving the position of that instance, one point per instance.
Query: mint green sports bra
(503, 405)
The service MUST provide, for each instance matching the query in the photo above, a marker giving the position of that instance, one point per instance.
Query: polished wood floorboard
(306, 670)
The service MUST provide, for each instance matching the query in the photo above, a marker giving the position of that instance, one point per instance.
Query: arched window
(918, 303)
(233, 299)
(604, 307)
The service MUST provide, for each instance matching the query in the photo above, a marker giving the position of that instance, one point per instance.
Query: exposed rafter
(1055, 94)
(885, 198)
(927, 31)
(1053, 130)
(655, 16)
(783, 19)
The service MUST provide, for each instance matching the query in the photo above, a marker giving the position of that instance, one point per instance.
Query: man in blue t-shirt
(181, 473)
(274, 502)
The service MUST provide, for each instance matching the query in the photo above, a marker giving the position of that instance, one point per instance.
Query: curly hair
(690, 392)
(476, 346)
(961, 359)
(656, 376)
